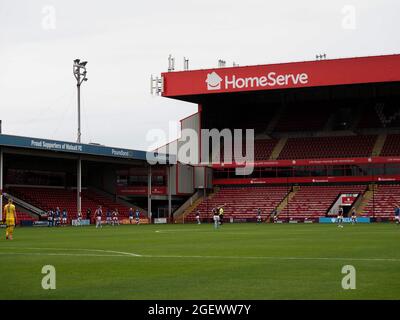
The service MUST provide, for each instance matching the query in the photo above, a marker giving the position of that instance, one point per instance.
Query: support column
(205, 189)
(1, 184)
(79, 187)
(79, 113)
(169, 193)
(149, 214)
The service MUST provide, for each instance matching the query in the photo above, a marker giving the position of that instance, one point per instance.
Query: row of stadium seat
(22, 216)
(326, 147)
(51, 198)
(391, 146)
(382, 204)
(309, 202)
(315, 118)
(242, 202)
(263, 148)
(300, 119)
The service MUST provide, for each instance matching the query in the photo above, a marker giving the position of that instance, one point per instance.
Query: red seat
(382, 204)
(328, 147)
(50, 198)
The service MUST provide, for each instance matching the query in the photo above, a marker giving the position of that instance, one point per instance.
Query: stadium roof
(70, 147)
(195, 85)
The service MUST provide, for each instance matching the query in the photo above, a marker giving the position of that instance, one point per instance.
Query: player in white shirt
(215, 218)
(198, 217)
(115, 217)
(98, 214)
(259, 220)
(79, 220)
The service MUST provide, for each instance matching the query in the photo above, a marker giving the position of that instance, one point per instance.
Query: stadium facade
(326, 136)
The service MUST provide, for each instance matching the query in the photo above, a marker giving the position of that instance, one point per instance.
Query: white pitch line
(178, 230)
(272, 258)
(119, 253)
(208, 232)
(60, 254)
(127, 254)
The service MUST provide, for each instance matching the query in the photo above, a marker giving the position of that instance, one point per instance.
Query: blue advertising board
(345, 220)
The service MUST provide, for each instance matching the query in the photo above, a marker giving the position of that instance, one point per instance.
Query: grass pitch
(238, 261)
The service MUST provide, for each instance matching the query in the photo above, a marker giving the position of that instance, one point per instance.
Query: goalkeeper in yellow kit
(10, 216)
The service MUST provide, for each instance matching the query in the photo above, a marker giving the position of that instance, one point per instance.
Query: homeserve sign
(272, 79)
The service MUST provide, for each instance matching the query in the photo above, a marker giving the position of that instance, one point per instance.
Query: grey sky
(126, 41)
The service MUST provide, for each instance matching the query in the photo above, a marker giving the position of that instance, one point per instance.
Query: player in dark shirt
(108, 216)
(397, 214)
(64, 217)
(137, 216)
(88, 214)
(50, 217)
(353, 216)
(58, 217)
(340, 217)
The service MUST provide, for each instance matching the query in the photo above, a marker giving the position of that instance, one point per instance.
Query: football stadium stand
(383, 202)
(316, 140)
(307, 202)
(51, 198)
(312, 202)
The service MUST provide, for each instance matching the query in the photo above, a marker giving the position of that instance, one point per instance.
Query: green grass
(238, 261)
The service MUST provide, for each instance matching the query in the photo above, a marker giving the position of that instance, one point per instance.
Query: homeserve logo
(272, 79)
(213, 81)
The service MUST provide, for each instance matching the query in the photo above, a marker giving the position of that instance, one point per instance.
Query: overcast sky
(127, 41)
